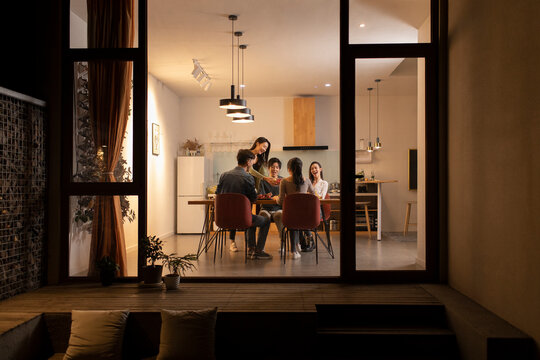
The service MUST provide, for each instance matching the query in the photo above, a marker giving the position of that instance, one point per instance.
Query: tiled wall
(23, 180)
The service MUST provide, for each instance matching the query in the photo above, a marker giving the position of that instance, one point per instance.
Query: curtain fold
(110, 25)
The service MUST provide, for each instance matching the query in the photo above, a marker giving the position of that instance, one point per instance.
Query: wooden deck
(238, 297)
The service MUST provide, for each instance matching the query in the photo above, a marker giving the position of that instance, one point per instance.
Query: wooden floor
(228, 297)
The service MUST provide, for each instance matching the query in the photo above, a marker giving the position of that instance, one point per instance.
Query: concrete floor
(394, 252)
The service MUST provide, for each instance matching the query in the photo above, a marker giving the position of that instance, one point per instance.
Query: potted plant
(107, 270)
(177, 265)
(192, 146)
(152, 248)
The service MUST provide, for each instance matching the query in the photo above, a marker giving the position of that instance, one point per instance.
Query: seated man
(272, 212)
(238, 180)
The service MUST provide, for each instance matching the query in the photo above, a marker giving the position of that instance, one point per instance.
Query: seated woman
(295, 183)
(272, 211)
(321, 189)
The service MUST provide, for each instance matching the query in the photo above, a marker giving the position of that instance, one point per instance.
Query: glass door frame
(138, 187)
(435, 137)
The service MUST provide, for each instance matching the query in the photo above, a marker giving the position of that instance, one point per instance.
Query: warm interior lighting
(362, 25)
(327, 85)
(245, 120)
(239, 113)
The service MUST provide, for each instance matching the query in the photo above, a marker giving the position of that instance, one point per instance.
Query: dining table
(206, 232)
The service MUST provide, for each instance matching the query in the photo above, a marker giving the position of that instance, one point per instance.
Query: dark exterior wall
(494, 166)
(23, 182)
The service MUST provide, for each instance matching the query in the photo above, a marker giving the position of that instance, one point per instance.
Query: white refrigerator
(190, 186)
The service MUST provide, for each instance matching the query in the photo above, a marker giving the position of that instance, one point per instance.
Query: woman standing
(295, 183)
(261, 149)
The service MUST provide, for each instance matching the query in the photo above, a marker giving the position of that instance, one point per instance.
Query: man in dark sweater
(239, 181)
(273, 211)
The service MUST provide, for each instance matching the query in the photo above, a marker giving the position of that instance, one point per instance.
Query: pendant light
(370, 147)
(232, 102)
(245, 112)
(378, 143)
(250, 118)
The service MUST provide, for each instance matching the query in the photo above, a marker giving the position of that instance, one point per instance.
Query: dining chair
(326, 211)
(301, 212)
(232, 212)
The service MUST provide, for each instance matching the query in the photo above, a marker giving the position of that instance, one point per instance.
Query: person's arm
(324, 189)
(220, 185)
(261, 176)
(249, 190)
(282, 192)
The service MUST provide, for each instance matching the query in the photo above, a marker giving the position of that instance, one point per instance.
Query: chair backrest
(326, 208)
(233, 211)
(301, 211)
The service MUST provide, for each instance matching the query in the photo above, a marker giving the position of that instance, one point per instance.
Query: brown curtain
(110, 25)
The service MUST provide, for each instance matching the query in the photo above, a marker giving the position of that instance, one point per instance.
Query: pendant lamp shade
(245, 120)
(239, 113)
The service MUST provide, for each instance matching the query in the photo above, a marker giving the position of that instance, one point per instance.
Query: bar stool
(408, 217)
(366, 214)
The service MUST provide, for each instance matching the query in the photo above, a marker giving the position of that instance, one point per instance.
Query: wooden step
(381, 315)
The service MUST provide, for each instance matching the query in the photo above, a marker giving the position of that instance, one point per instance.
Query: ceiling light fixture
(250, 118)
(378, 143)
(327, 85)
(362, 25)
(201, 76)
(245, 112)
(232, 102)
(370, 147)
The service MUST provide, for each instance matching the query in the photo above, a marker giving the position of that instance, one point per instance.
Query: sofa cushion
(96, 334)
(187, 334)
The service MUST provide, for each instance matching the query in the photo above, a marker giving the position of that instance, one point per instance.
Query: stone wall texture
(23, 181)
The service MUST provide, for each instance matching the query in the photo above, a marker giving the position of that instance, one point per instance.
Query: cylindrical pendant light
(378, 143)
(240, 113)
(370, 147)
(232, 102)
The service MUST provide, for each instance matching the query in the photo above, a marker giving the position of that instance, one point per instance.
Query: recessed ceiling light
(362, 25)
(242, 85)
(327, 85)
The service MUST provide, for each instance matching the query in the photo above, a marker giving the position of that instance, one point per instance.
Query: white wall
(163, 109)
(423, 35)
(202, 118)
(398, 133)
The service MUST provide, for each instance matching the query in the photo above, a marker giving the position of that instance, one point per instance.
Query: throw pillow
(96, 334)
(187, 334)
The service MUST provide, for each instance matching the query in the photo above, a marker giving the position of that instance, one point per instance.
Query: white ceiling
(293, 45)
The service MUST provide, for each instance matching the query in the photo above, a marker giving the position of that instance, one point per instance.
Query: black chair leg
(316, 247)
(245, 247)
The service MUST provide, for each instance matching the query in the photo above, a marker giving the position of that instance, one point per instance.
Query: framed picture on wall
(155, 139)
(413, 169)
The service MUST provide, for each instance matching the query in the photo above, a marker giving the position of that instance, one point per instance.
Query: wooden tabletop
(259, 201)
(376, 181)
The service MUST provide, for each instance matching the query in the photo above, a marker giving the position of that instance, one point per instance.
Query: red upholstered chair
(301, 212)
(233, 212)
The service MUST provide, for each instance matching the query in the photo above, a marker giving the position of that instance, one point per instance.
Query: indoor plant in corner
(107, 270)
(177, 265)
(152, 248)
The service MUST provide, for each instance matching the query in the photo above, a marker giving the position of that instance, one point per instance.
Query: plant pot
(106, 277)
(172, 281)
(152, 274)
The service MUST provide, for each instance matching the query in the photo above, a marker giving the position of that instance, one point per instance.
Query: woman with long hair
(261, 149)
(316, 176)
(295, 183)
